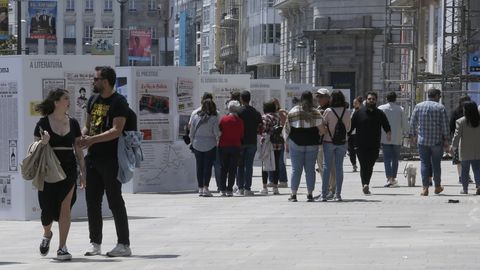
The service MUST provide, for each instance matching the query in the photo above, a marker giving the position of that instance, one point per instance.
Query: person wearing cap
(323, 100)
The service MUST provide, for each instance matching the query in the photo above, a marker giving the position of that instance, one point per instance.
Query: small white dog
(410, 172)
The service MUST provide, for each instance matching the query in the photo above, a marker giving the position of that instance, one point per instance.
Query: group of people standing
(312, 134)
(107, 113)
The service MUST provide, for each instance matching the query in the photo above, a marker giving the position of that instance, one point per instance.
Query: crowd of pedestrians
(321, 129)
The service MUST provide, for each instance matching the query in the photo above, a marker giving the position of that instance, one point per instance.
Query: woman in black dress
(63, 134)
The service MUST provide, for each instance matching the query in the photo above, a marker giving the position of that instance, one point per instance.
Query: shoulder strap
(341, 117)
(94, 99)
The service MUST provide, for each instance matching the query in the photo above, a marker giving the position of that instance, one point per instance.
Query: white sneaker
(275, 191)
(264, 191)
(282, 184)
(394, 183)
(330, 196)
(120, 250)
(235, 189)
(270, 184)
(207, 193)
(248, 193)
(94, 249)
(200, 192)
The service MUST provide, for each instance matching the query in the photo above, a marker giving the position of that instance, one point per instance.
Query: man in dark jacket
(367, 123)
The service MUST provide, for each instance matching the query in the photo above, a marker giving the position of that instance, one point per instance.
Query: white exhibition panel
(163, 98)
(24, 81)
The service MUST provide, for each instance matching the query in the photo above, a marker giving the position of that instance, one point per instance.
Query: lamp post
(19, 27)
(164, 15)
(122, 39)
(301, 46)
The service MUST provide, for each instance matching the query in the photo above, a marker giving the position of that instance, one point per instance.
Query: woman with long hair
(302, 135)
(465, 139)
(352, 154)
(63, 134)
(457, 114)
(334, 152)
(204, 135)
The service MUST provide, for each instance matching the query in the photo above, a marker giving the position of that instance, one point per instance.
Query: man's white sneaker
(394, 183)
(94, 249)
(240, 192)
(264, 191)
(200, 192)
(270, 184)
(120, 250)
(275, 191)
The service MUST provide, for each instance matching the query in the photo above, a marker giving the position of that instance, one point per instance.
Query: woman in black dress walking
(62, 133)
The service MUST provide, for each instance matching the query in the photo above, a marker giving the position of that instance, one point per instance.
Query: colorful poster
(102, 41)
(154, 109)
(185, 94)
(42, 19)
(3, 19)
(51, 84)
(139, 45)
(79, 85)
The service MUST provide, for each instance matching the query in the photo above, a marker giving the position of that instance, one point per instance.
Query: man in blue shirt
(429, 128)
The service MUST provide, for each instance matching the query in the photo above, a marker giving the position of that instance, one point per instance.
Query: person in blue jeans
(302, 136)
(252, 121)
(334, 152)
(391, 149)
(429, 122)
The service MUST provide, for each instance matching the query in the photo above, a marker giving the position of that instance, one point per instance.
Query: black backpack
(276, 136)
(340, 133)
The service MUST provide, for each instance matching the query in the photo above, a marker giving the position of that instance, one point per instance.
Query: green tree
(9, 46)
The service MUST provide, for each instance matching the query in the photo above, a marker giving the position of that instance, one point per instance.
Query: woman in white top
(335, 143)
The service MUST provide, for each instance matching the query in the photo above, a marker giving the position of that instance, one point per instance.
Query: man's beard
(96, 90)
(371, 105)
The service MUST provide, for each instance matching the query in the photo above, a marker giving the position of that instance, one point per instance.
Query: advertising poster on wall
(154, 109)
(102, 41)
(5, 191)
(294, 92)
(139, 45)
(42, 19)
(185, 94)
(474, 69)
(4, 19)
(79, 85)
(51, 84)
(9, 133)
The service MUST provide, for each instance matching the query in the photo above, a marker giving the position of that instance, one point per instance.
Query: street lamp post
(19, 27)
(164, 15)
(122, 40)
(301, 46)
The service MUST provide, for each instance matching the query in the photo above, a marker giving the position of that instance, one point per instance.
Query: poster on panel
(4, 20)
(79, 85)
(42, 19)
(9, 131)
(263, 90)
(294, 92)
(102, 41)
(51, 84)
(139, 45)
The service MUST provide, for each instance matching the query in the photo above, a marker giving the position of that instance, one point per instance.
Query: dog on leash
(410, 172)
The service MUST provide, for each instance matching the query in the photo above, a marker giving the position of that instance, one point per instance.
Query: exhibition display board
(24, 82)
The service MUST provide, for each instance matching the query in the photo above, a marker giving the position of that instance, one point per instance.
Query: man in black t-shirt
(252, 120)
(106, 116)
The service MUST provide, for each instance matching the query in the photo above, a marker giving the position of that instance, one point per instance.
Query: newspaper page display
(51, 84)
(166, 161)
(154, 109)
(79, 85)
(263, 90)
(9, 133)
(5, 191)
(185, 94)
(221, 86)
(102, 41)
(293, 94)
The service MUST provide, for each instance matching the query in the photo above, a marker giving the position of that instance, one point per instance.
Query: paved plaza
(394, 228)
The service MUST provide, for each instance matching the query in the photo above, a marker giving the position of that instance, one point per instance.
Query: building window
(205, 42)
(153, 60)
(270, 3)
(271, 33)
(88, 5)
(108, 26)
(132, 6)
(205, 64)
(70, 6)
(108, 6)
(70, 30)
(206, 16)
(152, 5)
(87, 34)
(153, 31)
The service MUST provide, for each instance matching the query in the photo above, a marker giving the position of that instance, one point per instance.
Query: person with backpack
(336, 120)
(107, 115)
(368, 123)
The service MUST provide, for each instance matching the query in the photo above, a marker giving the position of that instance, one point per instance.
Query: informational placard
(5, 191)
(9, 131)
(51, 84)
(294, 92)
(221, 86)
(79, 85)
(264, 90)
(184, 94)
(102, 41)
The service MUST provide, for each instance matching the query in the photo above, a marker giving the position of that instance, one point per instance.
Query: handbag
(193, 134)
(186, 138)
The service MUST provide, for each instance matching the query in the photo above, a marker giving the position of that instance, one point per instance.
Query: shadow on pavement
(10, 263)
(85, 219)
(88, 260)
(360, 200)
(392, 194)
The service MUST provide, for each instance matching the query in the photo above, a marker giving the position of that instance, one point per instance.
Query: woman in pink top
(332, 145)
